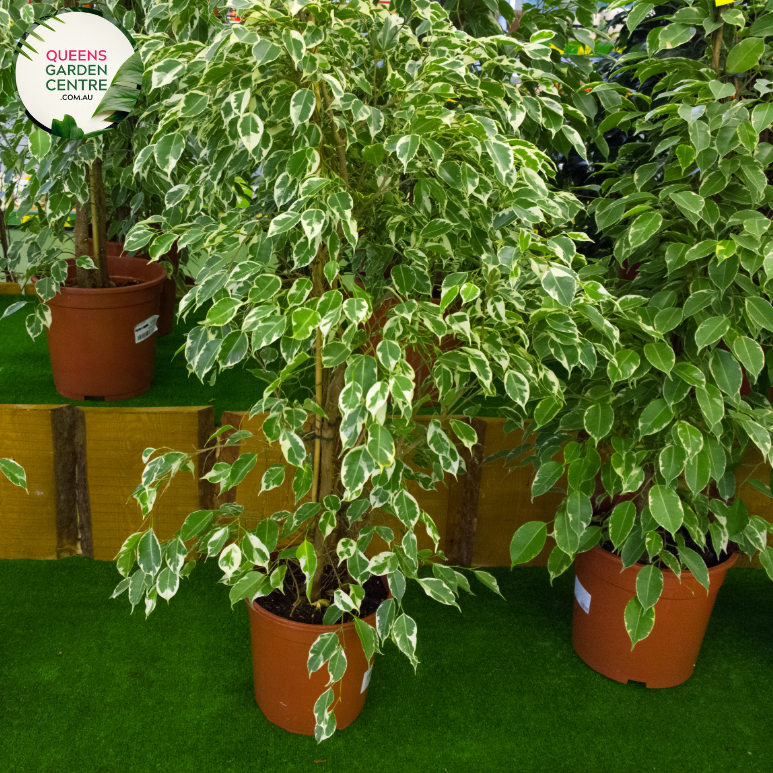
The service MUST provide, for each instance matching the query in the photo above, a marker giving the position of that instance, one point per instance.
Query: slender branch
(717, 43)
(94, 218)
(340, 144)
(317, 418)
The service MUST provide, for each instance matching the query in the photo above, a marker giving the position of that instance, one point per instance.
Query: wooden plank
(206, 460)
(115, 440)
(754, 466)
(13, 288)
(228, 454)
(28, 521)
(505, 502)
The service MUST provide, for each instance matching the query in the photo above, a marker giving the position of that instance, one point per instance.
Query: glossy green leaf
(697, 471)
(656, 416)
(546, 477)
(527, 542)
(621, 522)
(644, 227)
(149, 553)
(623, 365)
(598, 420)
(560, 283)
(406, 149)
(760, 312)
(308, 561)
(744, 55)
(671, 462)
(666, 508)
(695, 565)
(14, 472)
(487, 579)
(547, 409)
(639, 622)
(517, 388)
(726, 371)
(649, 586)
(404, 636)
(661, 355)
(750, 353)
(711, 403)
(168, 151)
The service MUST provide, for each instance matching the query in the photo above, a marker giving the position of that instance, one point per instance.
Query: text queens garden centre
(65, 69)
(73, 73)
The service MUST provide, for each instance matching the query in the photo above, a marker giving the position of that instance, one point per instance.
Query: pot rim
(611, 557)
(298, 626)
(126, 266)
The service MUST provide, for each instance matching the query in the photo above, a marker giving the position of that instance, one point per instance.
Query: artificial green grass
(84, 686)
(25, 372)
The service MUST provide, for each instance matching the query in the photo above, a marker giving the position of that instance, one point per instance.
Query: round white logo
(77, 74)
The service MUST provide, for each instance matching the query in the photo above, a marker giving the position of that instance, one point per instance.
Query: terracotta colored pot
(97, 341)
(667, 656)
(283, 689)
(168, 289)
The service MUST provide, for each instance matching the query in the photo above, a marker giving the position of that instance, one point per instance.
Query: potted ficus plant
(391, 170)
(99, 312)
(653, 437)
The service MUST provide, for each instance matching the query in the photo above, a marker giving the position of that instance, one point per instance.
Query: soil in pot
(667, 657)
(102, 341)
(284, 690)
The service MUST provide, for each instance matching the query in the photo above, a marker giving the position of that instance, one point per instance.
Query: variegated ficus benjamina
(13, 472)
(657, 438)
(49, 177)
(404, 247)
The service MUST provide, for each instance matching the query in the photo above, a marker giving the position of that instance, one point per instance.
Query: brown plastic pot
(667, 656)
(98, 344)
(168, 289)
(284, 690)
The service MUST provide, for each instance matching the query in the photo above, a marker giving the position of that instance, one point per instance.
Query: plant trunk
(5, 246)
(97, 206)
(328, 386)
(716, 45)
(327, 471)
(85, 277)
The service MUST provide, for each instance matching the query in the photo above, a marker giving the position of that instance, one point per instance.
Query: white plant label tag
(145, 329)
(582, 596)
(366, 680)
